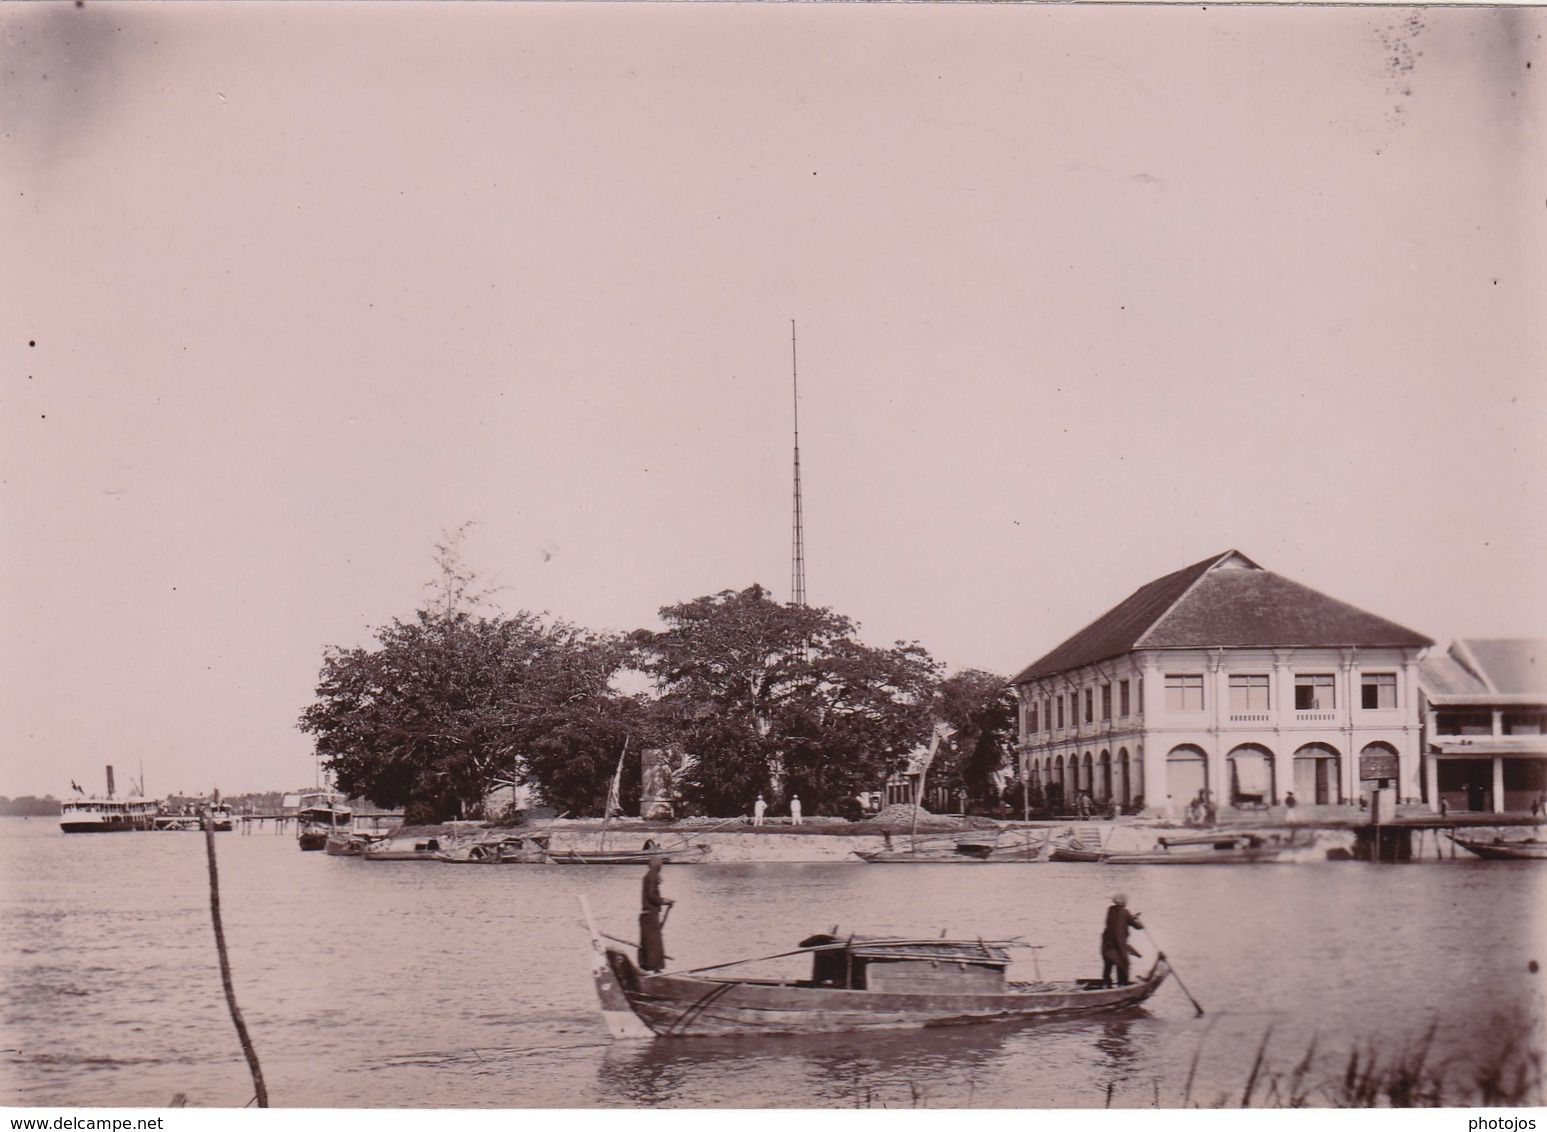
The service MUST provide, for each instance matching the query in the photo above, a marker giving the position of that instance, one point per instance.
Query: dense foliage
(980, 710)
(751, 696)
(450, 703)
(782, 700)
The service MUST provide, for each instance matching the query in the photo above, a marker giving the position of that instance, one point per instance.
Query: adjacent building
(1485, 726)
(1226, 680)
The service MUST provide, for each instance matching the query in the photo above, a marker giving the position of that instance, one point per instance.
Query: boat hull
(1201, 857)
(686, 1005)
(903, 857)
(687, 856)
(1505, 850)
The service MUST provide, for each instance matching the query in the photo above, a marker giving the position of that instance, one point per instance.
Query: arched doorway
(1104, 780)
(1187, 774)
(1056, 791)
(1087, 774)
(1124, 779)
(1251, 776)
(1318, 777)
(1378, 767)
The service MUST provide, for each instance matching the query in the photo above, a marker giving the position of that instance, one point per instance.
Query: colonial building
(1485, 726)
(1226, 678)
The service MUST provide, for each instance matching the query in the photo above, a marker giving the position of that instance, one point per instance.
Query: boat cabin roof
(984, 953)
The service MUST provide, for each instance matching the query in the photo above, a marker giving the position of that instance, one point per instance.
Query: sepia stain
(61, 72)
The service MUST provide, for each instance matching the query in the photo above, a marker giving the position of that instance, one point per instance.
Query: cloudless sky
(1085, 294)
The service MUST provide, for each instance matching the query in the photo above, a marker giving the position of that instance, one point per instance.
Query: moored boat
(1081, 843)
(106, 815)
(347, 843)
(530, 849)
(1499, 848)
(962, 849)
(678, 855)
(393, 848)
(1204, 849)
(92, 814)
(319, 815)
(856, 984)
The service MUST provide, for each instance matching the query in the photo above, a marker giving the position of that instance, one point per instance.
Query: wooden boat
(1078, 844)
(1204, 849)
(319, 815)
(680, 855)
(428, 848)
(1497, 848)
(957, 851)
(531, 849)
(347, 843)
(856, 984)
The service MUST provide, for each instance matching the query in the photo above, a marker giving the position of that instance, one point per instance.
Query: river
(417, 984)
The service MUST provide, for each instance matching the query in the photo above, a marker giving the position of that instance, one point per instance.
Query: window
(1122, 698)
(1090, 704)
(1463, 723)
(1047, 714)
(1378, 690)
(1525, 723)
(1184, 693)
(1248, 693)
(1074, 709)
(1106, 701)
(1315, 692)
(1031, 720)
(1060, 713)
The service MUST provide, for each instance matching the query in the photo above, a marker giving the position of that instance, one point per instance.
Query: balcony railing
(1250, 717)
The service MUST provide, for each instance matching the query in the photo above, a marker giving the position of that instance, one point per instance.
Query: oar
(1161, 952)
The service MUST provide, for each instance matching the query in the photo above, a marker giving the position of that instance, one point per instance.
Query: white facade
(1248, 725)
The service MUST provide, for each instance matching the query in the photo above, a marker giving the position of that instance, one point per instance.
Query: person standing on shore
(795, 810)
(652, 915)
(759, 808)
(1289, 807)
(1115, 948)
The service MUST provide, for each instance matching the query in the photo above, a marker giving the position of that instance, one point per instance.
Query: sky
(1084, 295)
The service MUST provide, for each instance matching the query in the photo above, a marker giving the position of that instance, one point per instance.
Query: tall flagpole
(798, 544)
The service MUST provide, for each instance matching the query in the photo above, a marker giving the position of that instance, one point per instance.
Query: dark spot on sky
(1533, 966)
(33, 342)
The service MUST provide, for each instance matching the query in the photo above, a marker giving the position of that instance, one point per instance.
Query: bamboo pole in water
(225, 966)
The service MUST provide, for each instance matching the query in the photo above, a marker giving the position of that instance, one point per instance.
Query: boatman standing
(1115, 948)
(652, 914)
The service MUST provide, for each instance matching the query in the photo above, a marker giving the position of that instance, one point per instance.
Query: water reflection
(950, 1066)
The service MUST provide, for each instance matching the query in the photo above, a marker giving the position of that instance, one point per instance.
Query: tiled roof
(1447, 676)
(1226, 601)
(1511, 665)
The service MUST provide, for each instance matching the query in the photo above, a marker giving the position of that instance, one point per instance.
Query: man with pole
(1115, 948)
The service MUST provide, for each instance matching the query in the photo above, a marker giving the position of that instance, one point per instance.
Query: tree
(445, 706)
(781, 699)
(980, 709)
(450, 703)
